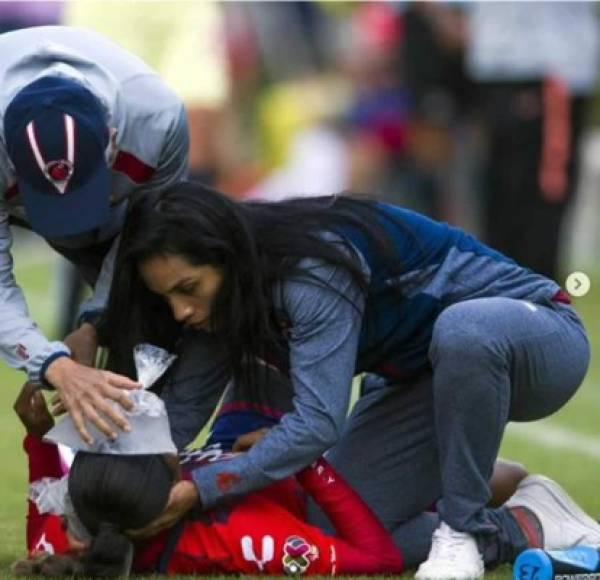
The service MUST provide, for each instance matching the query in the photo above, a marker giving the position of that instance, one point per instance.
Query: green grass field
(565, 447)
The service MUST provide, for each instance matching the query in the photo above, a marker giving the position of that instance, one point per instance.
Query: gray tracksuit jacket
(331, 336)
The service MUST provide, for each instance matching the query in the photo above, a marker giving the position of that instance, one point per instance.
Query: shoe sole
(565, 501)
(450, 576)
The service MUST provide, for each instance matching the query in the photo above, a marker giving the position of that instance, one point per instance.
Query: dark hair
(45, 564)
(253, 244)
(111, 494)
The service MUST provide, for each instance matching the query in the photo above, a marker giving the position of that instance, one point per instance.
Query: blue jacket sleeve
(325, 317)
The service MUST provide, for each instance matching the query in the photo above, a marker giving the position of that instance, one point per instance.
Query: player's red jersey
(45, 533)
(264, 532)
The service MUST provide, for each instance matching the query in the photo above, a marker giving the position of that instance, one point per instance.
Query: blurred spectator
(432, 70)
(284, 101)
(15, 15)
(317, 164)
(406, 61)
(378, 117)
(537, 63)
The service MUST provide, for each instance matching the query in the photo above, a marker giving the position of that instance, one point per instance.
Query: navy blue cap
(56, 135)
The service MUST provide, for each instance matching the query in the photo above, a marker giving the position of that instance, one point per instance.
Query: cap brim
(74, 212)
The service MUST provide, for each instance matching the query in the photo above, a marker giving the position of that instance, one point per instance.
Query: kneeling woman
(463, 341)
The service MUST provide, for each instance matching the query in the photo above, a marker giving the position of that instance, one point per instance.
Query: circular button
(578, 284)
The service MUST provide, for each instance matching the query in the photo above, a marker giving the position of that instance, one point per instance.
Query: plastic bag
(150, 432)
(49, 495)
(151, 362)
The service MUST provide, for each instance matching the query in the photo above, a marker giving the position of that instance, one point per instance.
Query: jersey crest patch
(298, 555)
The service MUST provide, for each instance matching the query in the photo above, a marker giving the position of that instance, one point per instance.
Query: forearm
(364, 545)
(302, 436)
(352, 559)
(23, 346)
(286, 449)
(43, 459)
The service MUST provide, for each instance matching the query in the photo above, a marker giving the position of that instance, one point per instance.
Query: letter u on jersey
(267, 551)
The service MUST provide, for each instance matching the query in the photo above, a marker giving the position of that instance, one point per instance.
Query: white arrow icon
(578, 284)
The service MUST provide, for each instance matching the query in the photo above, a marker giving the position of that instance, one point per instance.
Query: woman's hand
(84, 393)
(31, 409)
(183, 497)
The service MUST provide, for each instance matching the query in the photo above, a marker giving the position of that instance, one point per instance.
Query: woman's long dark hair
(253, 244)
(112, 494)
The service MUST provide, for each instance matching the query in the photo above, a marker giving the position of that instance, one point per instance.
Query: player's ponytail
(45, 564)
(110, 554)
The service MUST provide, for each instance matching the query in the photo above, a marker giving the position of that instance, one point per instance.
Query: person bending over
(464, 339)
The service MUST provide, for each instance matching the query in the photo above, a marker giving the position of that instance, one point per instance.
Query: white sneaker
(453, 555)
(564, 524)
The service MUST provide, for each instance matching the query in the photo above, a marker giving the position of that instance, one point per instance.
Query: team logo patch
(22, 352)
(226, 481)
(297, 555)
(60, 170)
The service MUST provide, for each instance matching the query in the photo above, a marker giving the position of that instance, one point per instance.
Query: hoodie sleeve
(22, 344)
(325, 317)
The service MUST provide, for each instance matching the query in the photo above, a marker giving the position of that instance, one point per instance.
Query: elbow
(311, 431)
(331, 436)
(324, 434)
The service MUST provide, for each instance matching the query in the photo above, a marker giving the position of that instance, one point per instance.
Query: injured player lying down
(111, 495)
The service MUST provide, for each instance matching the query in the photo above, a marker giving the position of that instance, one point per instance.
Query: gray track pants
(434, 441)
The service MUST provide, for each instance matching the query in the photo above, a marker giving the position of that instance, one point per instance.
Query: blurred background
(482, 114)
